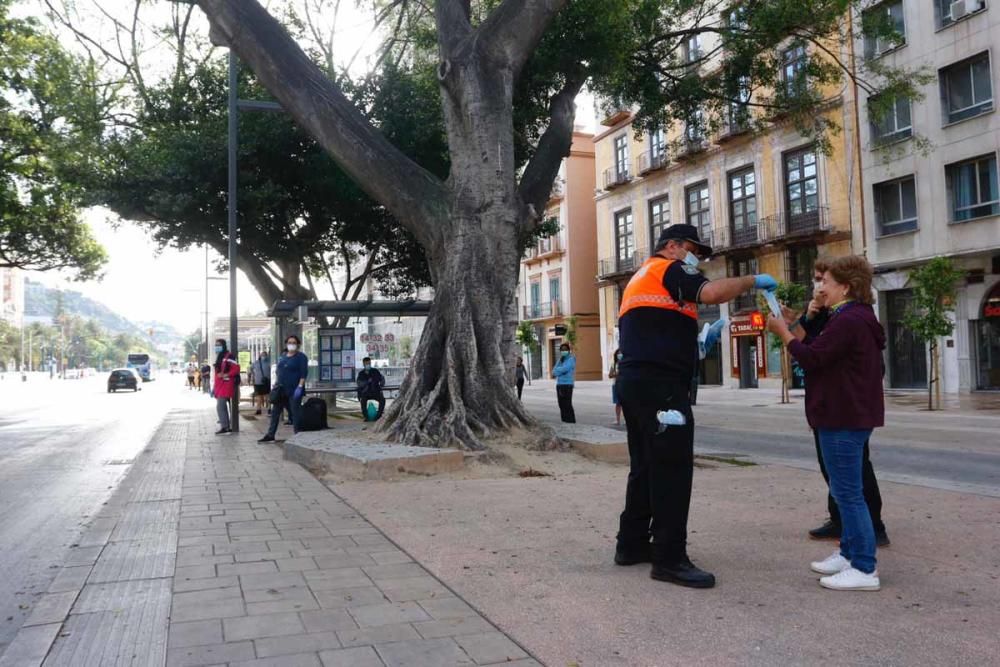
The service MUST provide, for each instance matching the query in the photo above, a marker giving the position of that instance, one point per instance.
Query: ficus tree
(50, 113)
(508, 73)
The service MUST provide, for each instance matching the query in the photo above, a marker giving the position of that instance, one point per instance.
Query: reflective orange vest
(646, 290)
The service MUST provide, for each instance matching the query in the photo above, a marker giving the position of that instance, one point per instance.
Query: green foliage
(50, 117)
(571, 330)
(526, 336)
(934, 288)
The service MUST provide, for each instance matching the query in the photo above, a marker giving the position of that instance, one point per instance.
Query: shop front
(748, 349)
(987, 335)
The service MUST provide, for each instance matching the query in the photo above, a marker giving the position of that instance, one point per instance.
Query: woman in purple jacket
(843, 365)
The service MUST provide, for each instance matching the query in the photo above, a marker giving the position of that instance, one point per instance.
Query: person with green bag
(370, 383)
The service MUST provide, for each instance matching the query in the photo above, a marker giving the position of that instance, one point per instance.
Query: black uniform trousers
(661, 466)
(869, 486)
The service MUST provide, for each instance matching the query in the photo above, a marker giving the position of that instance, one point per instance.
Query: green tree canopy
(50, 116)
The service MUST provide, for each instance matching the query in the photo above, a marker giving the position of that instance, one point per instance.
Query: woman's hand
(777, 326)
(788, 315)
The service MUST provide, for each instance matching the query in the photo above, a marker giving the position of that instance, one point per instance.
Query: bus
(141, 362)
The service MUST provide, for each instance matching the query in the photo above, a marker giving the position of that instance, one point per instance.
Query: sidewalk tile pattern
(214, 550)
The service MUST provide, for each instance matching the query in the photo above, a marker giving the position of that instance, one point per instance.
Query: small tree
(526, 337)
(792, 295)
(571, 331)
(928, 315)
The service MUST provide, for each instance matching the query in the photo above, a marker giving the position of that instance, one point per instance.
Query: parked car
(124, 378)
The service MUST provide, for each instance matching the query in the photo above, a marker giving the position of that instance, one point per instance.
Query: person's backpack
(314, 415)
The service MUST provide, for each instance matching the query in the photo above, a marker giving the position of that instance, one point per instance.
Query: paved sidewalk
(215, 550)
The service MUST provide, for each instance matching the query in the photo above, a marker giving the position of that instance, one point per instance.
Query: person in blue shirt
(565, 375)
(293, 367)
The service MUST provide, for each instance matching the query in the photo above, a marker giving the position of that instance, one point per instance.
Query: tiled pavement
(215, 550)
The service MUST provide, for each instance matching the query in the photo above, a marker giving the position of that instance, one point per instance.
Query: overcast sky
(142, 284)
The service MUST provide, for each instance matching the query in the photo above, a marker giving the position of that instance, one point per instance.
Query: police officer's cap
(683, 233)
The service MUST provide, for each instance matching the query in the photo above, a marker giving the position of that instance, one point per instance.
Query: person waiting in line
(370, 384)
(520, 373)
(192, 373)
(658, 334)
(227, 382)
(843, 365)
(565, 375)
(261, 370)
(293, 369)
(612, 375)
(205, 373)
(807, 327)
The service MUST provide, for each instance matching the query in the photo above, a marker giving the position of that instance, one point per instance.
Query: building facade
(557, 273)
(768, 202)
(12, 296)
(931, 186)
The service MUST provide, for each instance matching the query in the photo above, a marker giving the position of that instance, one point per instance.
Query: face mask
(620, 357)
(292, 347)
(691, 259)
(367, 366)
(218, 348)
(564, 354)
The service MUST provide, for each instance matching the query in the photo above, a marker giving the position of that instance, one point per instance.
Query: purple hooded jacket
(843, 366)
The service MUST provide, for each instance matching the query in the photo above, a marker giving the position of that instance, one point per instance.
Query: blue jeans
(842, 454)
(294, 407)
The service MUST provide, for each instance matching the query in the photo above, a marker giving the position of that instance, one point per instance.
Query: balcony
(732, 128)
(690, 148)
(541, 311)
(782, 226)
(615, 116)
(614, 178)
(620, 266)
(544, 248)
(647, 162)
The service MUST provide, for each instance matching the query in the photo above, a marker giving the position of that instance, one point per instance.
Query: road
(951, 450)
(64, 447)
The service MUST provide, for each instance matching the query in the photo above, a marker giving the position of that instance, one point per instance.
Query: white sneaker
(851, 580)
(832, 564)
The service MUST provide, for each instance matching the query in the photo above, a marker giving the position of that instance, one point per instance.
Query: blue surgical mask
(691, 259)
(367, 366)
(218, 348)
(620, 357)
(564, 354)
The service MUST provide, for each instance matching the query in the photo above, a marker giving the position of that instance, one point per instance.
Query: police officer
(658, 332)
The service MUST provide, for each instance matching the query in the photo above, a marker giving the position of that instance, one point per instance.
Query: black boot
(683, 573)
(828, 531)
(882, 537)
(633, 554)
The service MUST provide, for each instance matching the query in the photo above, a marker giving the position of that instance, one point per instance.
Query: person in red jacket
(227, 380)
(843, 366)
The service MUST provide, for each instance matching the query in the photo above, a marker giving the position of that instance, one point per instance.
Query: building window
(949, 11)
(534, 308)
(896, 206)
(692, 48)
(884, 28)
(743, 205)
(972, 188)
(743, 266)
(621, 156)
(698, 211)
(657, 146)
(624, 235)
(694, 128)
(659, 218)
(801, 261)
(895, 124)
(555, 295)
(966, 90)
(793, 70)
(738, 110)
(801, 183)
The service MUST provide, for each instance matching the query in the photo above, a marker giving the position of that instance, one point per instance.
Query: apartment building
(12, 296)
(931, 185)
(557, 273)
(767, 202)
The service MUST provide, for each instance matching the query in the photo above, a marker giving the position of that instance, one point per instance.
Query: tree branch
(512, 31)
(452, 17)
(412, 194)
(553, 146)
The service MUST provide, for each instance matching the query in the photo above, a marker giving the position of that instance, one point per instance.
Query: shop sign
(747, 326)
(992, 306)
